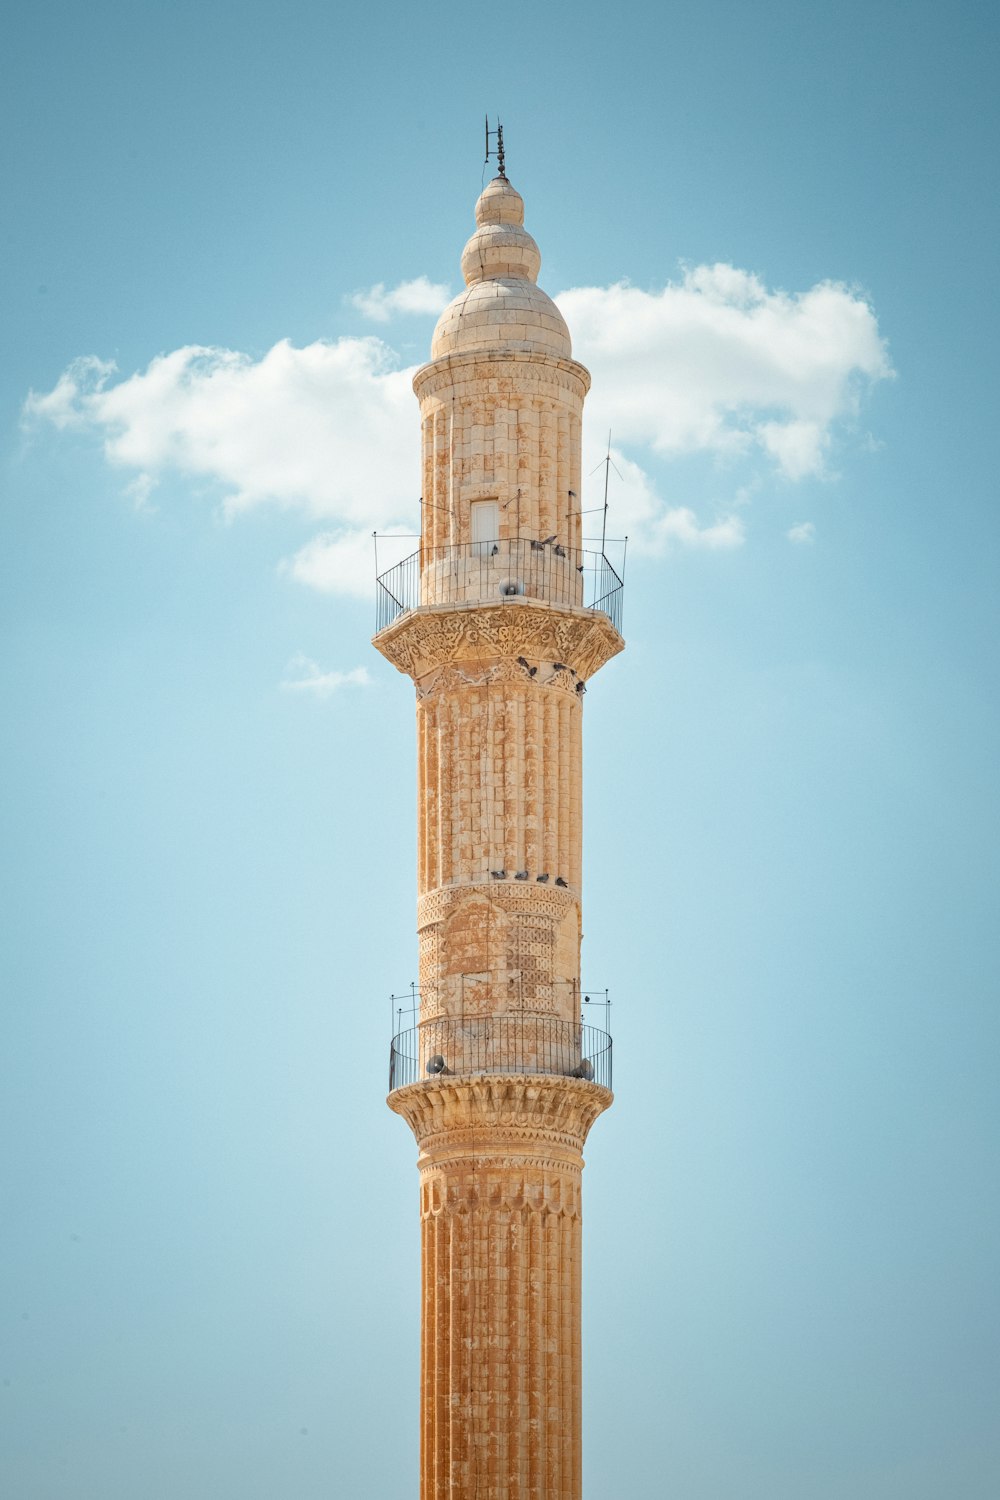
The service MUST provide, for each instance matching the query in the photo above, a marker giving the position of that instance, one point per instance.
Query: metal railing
(523, 1044)
(500, 572)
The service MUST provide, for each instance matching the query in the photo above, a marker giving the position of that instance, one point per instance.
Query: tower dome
(502, 305)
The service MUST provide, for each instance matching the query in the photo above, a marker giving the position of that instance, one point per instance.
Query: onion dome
(502, 306)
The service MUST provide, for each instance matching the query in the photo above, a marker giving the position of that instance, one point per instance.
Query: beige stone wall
(499, 806)
(500, 691)
(504, 426)
(500, 1170)
(501, 1256)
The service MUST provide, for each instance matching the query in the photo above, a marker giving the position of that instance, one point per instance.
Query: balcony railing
(500, 572)
(528, 1044)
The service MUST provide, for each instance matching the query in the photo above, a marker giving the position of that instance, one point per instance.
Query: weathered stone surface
(500, 685)
(500, 1164)
(481, 634)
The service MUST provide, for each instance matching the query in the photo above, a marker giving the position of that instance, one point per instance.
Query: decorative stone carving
(447, 679)
(447, 1114)
(509, 896)
(431, 636)
(537, 1184)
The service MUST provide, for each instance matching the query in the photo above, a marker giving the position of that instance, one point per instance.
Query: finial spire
(501, 169)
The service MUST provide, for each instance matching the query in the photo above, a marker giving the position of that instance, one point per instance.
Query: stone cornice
(500, 1116)
(433, 635)
(492, 364)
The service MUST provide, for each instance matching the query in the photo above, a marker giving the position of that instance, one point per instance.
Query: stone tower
(501, 619)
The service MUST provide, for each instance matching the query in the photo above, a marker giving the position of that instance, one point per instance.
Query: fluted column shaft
(500, 1168)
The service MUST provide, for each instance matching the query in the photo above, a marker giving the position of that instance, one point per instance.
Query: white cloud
(798, 446)
(651, 525)
(61, 406)
(714, 364)
(681, 525)
(139, 491)
(303, 675)
(336, 563)
(717, 363)
(343, 562)
(419, 296)
(328, 429)
(804, 532)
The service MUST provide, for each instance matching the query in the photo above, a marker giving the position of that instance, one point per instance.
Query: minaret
(501, 619)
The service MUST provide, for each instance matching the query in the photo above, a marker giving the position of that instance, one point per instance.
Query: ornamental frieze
(550, 675)
(539, 1186)
(454, 1107)
(432, 636)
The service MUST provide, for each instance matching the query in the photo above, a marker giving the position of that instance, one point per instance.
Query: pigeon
(542, 879)
(499, 874)
(532, 671)
(537, 546)
(495, 552)
(560, 881)
(579, 567)
(521, 875)
(559, 551)
(581, 688)
(522, 661)
(550, 539)
(558, 666)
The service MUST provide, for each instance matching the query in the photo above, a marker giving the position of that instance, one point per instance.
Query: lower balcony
(517, 1044)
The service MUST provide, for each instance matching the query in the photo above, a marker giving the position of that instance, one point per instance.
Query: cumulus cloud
(651, 525)
(62, 405)
(417, 296)
(804, 532)
(303, 675)
(327, 429)
(714, 363)
(342, 562)
(681, 525)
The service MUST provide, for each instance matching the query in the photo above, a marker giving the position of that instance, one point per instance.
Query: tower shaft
(499, 1079)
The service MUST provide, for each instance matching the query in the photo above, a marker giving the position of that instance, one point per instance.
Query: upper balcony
(503, 571)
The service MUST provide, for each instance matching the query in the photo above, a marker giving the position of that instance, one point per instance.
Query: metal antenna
(501, 169)
(607, 464)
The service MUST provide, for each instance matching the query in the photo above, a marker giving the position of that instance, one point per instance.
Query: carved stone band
(565, 376)
(432, 635)
(448, 1116)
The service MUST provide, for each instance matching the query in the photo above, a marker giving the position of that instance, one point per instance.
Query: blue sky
(773, 230)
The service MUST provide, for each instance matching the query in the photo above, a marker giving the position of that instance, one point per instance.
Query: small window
(485, 527)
